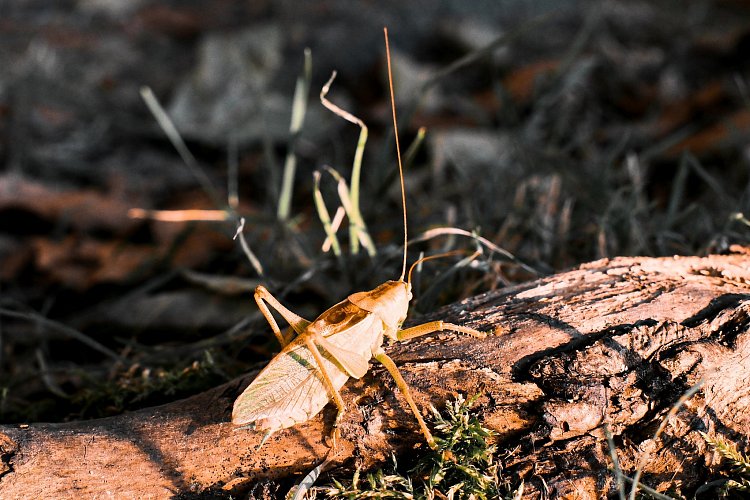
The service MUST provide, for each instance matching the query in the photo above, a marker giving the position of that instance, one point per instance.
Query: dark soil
(561, 132)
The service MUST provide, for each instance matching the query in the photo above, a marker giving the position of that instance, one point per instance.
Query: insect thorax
(389, 301)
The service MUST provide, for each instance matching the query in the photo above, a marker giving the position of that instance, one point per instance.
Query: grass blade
(356, 222)
(673, 411)
(615, 463)
(299, 109)
(357, 231)
(324, 216)
(413, 149)
(168, 126)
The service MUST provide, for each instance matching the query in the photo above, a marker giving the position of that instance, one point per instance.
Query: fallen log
(613, 342)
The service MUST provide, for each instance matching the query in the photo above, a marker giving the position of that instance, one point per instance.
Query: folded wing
(290, 389)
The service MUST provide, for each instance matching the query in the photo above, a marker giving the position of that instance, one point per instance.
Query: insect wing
(348, 334)
(290, 389)
(354, 363)
(287, 391)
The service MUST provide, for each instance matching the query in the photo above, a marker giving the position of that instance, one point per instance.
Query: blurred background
(540, 135)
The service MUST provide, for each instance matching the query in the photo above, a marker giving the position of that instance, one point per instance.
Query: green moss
(737, 485)
(465, 465)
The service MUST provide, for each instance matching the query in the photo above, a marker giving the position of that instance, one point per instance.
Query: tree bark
(614, 341)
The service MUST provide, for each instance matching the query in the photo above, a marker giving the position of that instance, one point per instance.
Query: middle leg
(437, 326)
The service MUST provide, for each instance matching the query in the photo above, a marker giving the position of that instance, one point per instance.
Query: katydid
(313, 366)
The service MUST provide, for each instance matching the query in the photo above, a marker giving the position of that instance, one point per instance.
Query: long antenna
(398, 147)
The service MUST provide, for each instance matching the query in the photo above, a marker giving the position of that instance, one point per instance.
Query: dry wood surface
(616, 341)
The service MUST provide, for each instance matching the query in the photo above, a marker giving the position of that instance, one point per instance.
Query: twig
(49, 382)
(65, 330)
(246, 248)
(649, 490)
(179, 215)
(487, 49)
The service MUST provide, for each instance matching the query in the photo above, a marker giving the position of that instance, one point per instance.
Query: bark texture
(614, 341)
